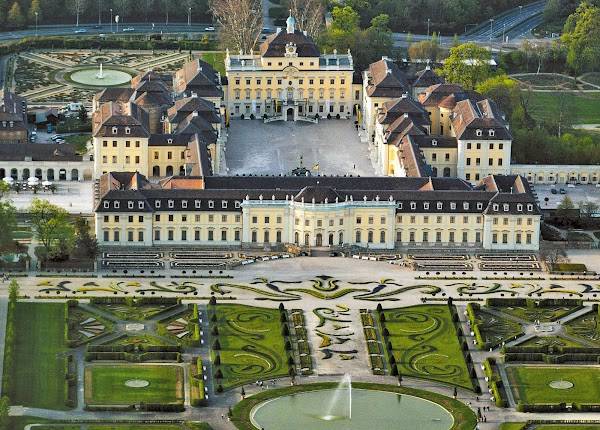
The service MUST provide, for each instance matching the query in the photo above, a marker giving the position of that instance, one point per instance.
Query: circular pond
(370, 409)
(91, 77)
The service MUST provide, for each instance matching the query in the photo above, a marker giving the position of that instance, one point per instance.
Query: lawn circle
(137, 383)
(561, 385)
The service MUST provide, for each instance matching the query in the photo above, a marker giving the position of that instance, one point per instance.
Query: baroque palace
(443, 154)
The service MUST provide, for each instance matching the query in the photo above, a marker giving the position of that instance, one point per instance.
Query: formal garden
(63, 76)
(426, 342)
(248, 344)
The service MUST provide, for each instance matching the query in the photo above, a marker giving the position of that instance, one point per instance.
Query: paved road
(94, 29)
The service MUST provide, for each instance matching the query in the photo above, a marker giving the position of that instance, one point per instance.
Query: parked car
(553, 191)
(80, 30)
(128, 29)
(211, 28)
(562, 191)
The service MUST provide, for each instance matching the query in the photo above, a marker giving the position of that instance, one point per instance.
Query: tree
(4, 413)
(52, 227)
(83, 114)
(7, 220)
(467, 65)
(240, 22)
(309, 15)
(13, 291)
(86, 245)
(345, 20)
(34, 9)
(503, 90)
(581, 35)
(565, 207)
(425, 50)
(77, 7)
(15, 16)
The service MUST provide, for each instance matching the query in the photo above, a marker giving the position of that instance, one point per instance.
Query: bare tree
(78, 6)
(309, 15)
(240, 21)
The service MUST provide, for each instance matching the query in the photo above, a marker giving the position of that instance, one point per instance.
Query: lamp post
(428, 22)
(189, 16)
(491, 29)
(117, 21)
(520, 10)
(36, 23)
(99, 12)
(111, 21)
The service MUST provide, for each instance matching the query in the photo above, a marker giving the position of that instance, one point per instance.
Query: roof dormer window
(224, 204)
(479, 133)
(115, 130)
(211, 204)
(453, 206)
(434, 142)
(171, 204)
(169, 141)
(127, 130)
(506, 207)
(440, 206)
(530, 207)
(197, 203)
(495, 207)
(117, 205)
(130, 204)
(413, 205)
(520, 207)
(106, 205)
(479, 206)
(426, 205)
(157, 204)
(140, 205)
(184, 204)
(492, 132)
(466, 206)
(238, 204)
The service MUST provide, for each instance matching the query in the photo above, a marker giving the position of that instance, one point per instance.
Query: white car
(128, 29)
(211, 28)
(80, 30)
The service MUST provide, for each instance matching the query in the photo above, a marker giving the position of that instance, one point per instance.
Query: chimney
(195, 114)
(278, 30)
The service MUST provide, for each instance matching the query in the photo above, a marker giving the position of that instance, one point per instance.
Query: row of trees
(445, 16)
(18, 13)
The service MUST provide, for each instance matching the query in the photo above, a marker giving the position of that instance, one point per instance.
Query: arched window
(341, 238)
(434, 172)
(14, 173)
(446, 172)
(382, 236)
(182, 171)
(297, 238)
(50, 174)
(169, 170)
(266, 237)
(156, 171)
(25, 174)
(358, 238)
(38, 173)
(370, 237)
(306, 239)
(74, 175)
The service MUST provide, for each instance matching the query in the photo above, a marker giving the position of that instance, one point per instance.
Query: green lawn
(215, 59)
(425, 344)
(252, 346)
(569, 267)
(19, 423)
(512, 426)
(584, 108)
(568, 427)
(530, 384)
(551, 341)
(38, 374)
(105, 384)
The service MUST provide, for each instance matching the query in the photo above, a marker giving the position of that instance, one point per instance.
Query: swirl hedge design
(425, 344)
(251, 346)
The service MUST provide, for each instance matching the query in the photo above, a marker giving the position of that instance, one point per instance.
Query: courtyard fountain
(342, 396)
(100, 74)
(344, 407)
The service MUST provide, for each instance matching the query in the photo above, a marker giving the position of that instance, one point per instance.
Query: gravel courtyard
(275, 148)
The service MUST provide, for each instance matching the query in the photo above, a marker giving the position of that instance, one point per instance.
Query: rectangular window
(156, 234)
(196, 234)
(184, 235)
(211, 235)
(224, 235)
(170, 235)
